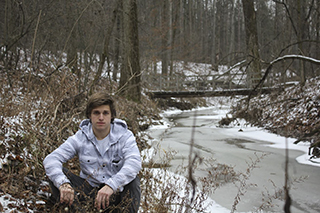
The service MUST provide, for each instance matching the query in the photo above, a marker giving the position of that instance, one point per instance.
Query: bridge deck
(227, 92)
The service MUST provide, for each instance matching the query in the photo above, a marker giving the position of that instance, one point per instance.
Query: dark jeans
(126, 201)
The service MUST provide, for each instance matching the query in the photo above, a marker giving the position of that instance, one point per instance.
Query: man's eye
(96, 113)
(105, 113)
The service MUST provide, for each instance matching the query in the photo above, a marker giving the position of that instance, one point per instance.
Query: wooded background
(92, 37)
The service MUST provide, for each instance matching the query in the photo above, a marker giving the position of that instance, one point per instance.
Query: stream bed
(231, 146)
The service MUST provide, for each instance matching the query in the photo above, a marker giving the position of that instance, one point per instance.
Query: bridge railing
(159, 82)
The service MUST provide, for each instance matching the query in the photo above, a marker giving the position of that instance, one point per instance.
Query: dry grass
(38, 114)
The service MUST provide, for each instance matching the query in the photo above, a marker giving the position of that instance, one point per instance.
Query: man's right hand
(66, 194)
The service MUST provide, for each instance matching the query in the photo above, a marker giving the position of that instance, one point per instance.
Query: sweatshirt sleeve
(131, 166)
(53, 163)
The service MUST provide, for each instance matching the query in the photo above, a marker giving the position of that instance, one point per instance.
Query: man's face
(101, 119)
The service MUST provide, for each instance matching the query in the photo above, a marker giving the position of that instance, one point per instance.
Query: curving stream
(239, 150)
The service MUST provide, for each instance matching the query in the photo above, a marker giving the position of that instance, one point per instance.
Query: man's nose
(101, 116)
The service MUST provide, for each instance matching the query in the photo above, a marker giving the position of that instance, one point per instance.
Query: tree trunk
(72, 57)
(116, 50)
(182, 28)
(164, 39)
(232, 36)
(104, 54)
(253, 57)
(130, 85)
(170, 38)
(301, 33)
(214, 60)
(317, 52)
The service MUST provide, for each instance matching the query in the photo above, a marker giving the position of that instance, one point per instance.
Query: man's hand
(103, 196)
(66, 193)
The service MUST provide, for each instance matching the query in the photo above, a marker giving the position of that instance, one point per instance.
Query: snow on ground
(278, 142)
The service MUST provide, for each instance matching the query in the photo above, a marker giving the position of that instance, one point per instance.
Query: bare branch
(289, 15)
(300, 57)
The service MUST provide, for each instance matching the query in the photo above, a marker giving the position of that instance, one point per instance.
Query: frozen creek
(237, 149)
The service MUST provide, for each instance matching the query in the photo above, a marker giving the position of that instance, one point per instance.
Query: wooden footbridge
(226, 92)
(201, 86)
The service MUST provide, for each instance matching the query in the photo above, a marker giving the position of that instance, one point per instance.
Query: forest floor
(33, 125)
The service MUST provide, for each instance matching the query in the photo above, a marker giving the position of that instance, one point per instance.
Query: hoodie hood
(117, 128)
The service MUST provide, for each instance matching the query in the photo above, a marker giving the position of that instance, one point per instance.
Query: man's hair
(99, 99)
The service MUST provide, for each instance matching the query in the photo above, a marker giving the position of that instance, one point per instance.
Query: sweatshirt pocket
(88, 164)
(117, 162)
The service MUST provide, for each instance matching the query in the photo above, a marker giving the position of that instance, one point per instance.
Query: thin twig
(192, 161)
(32, 51)
(55, 113)
(70, 120)
(287, 204)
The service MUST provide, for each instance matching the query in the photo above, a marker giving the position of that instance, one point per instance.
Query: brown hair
(99, 99)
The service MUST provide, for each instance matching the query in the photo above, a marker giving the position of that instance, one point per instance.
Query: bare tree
(71, 42)
(253, 58)
(116, 47)
(206, 31)
(214, 61)
(130, 86)
(164, 37)
(105, 51)
(232, 30)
